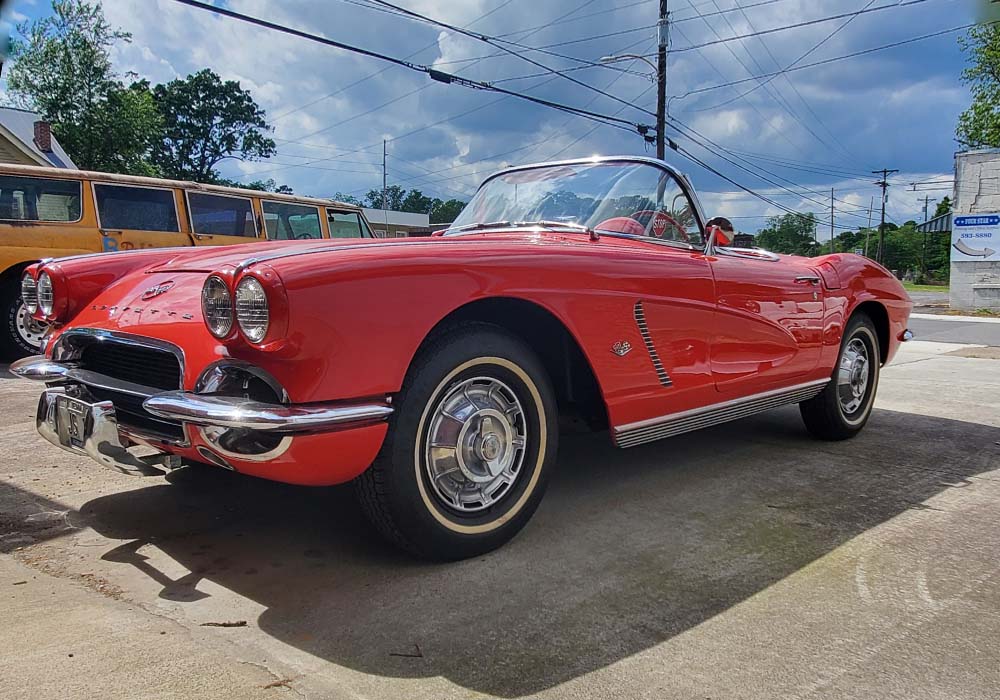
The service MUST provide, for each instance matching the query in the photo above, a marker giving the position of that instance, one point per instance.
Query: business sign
(975, 238)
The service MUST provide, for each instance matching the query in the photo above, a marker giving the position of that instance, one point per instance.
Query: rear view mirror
(719, 237)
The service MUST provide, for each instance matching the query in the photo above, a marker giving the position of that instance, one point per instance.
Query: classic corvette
(434, 372)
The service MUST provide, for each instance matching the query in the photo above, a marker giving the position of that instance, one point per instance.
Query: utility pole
(661, 81)
(923, 246)
(384, 207)
(831, 220)
(868, 231)
(884, 184)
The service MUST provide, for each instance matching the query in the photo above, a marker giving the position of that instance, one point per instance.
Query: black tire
(12, 345)
(397, 493)
(826, 416)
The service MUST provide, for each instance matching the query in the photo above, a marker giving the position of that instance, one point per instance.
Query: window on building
(346, 224)
(286, 222)
(39, 199)
(220, 215)
(135, 208)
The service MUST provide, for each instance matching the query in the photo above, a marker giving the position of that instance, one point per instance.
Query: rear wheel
(841, 410)
(469, 448)
(20, 335)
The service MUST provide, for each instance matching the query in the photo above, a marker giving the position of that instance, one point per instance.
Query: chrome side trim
(749, 253)
(237, 412)
(40, 368)
(640, 320)
(632, 434)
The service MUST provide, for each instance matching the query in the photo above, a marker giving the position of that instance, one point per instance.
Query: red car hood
(216, 257)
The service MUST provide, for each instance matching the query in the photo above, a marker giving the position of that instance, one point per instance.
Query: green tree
(417, 202)
(789, 233)
(394, 195)
(61, 68)
(268, 185)
(205, 121)
(347, 199)
(446, 212)
(979, 125)
(943, 207)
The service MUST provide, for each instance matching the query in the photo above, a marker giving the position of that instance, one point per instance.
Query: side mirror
(719, 237)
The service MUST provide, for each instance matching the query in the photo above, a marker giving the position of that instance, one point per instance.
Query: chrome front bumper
(68, 418)
(91, 429)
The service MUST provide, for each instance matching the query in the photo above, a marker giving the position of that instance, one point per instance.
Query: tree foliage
(979, 125)
(61, 68)
(790, 233)
(205, 121)
(943, 207)
(414, 201)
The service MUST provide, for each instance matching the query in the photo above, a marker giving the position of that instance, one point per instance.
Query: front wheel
(841, 410)
(469, 448)
(20, 334)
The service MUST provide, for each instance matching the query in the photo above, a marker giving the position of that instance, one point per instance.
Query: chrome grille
(159, 369)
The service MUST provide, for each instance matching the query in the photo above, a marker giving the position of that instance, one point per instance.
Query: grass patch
(910, 287)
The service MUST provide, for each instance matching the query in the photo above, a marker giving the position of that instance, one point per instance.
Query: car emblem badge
(621, 348)
(156, 291)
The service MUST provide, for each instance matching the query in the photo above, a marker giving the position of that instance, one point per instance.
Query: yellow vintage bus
(52, 212)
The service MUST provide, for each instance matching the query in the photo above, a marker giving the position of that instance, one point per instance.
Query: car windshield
(614, 197)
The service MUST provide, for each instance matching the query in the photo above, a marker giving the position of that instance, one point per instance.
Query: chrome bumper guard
(91, 429)
(235, 412)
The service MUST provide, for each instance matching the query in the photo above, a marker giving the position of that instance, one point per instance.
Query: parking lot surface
(745, 561)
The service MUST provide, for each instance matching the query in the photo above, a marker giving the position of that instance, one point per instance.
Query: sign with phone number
(975, 238)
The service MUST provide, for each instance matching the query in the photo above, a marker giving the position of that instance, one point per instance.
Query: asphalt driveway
(746, 561)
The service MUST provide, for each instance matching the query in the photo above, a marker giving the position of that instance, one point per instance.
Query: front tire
(20, 334)
(469, 449)
(842, 409)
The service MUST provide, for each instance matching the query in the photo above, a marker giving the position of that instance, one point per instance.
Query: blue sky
(895, 108)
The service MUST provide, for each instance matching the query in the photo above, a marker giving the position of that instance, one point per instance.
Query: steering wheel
(660, 220)
(303, 237)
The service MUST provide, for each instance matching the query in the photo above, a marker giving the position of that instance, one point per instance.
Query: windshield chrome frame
(680, 178)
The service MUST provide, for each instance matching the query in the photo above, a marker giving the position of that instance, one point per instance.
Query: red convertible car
(434, 372)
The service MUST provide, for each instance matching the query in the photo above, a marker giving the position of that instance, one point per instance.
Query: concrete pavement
(746, 561)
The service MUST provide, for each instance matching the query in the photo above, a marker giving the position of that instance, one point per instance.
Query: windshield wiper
(548, 223)
(481, 225)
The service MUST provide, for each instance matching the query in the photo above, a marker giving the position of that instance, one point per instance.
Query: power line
(439, 76)
(793, 63)
(492, 41)
(824, 62)
(797, 25)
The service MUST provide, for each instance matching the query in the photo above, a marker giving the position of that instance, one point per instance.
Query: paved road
(945, 329)
(746, 561)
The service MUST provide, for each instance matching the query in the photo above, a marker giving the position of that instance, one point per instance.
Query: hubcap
(29, 330)
(475, 444)
(852, 378)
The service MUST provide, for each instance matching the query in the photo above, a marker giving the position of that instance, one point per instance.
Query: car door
(769, 320)
(137, 216)
(221, 219)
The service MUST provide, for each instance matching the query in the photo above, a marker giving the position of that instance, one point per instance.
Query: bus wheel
(20, 335)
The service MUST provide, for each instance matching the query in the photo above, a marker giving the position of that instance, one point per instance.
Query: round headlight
(29, 293)
(46, 298)
(217, 306)
(251, 309)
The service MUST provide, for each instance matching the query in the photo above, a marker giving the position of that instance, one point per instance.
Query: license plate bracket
(74, 420)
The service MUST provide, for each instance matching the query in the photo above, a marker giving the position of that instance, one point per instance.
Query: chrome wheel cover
(28, 329)
(853, 376)
(475, 444)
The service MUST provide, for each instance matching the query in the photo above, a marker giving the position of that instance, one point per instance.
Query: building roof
(18, 125)
(939, 224)
(397, 218)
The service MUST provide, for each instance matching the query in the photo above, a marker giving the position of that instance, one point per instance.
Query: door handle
(807, 279)
(110, 232)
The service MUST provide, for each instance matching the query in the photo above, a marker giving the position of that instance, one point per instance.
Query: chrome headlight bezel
(217, 306)
(46, 294)
(29, 293)
(252, 309)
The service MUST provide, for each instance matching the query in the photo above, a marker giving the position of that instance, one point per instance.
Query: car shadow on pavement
(627, 550)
